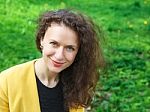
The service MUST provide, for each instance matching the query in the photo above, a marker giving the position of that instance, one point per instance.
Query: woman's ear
(41, 44)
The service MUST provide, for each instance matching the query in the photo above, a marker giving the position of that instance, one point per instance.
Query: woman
(64, 78)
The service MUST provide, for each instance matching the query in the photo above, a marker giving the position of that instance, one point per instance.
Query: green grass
(125, 86)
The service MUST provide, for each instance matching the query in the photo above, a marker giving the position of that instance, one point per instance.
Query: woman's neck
(48, 78)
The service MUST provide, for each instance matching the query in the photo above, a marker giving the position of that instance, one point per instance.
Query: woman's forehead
(61, 33)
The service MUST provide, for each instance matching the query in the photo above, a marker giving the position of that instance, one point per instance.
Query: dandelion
(145, 22)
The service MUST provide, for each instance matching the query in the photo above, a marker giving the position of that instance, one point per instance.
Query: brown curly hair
(79, 80)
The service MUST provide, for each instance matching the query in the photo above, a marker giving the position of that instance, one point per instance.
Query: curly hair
(79, 79)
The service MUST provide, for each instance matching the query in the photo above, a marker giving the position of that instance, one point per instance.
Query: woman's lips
(57, 64)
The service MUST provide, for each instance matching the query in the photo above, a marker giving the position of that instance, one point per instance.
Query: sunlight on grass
(124, 86)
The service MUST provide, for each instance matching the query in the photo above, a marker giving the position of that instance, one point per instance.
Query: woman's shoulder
(17, 69)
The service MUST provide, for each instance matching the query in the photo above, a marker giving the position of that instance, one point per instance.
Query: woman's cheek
(49, 51)
(71, 57)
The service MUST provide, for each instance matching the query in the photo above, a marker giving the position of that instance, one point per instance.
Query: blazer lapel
(31, 96)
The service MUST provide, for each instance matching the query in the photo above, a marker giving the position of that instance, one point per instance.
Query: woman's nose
(59, 54)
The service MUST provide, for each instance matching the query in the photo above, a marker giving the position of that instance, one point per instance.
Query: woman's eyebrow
(69, 45)
(72, 46)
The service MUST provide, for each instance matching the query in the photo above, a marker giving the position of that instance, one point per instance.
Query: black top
(51, 99)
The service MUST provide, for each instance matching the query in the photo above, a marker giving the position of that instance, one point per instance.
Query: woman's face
(60, 46)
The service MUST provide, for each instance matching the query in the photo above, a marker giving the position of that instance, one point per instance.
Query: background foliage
(125, 86)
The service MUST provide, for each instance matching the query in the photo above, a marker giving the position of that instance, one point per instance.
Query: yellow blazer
(18, 90)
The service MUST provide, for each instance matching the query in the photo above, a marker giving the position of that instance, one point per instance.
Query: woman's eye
(54, 44)
(70, 49)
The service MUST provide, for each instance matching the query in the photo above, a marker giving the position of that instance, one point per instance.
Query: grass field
(125, 85)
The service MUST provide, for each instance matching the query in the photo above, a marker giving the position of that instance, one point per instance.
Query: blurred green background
(125, 85)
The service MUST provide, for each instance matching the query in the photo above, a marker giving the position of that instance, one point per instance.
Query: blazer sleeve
(4, 107)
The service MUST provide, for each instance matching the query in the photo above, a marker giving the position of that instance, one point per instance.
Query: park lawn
(125, 84)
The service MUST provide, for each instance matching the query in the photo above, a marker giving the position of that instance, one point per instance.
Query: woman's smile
(57, 63)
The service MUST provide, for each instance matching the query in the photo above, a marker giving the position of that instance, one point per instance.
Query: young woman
(64, 78)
